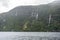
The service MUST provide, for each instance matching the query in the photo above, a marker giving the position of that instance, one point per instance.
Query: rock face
(55, 3)
(36, 18)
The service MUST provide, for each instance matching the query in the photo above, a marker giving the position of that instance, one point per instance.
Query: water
(29, 36)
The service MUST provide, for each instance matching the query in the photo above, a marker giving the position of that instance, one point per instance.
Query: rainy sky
(6, 5)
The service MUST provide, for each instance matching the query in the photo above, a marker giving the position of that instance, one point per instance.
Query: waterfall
(16, 13)
(36, 16)
(49, 21)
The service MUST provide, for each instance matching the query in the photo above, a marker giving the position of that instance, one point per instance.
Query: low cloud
(4, 2)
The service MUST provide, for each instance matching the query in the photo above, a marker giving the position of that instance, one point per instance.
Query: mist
(6, 5)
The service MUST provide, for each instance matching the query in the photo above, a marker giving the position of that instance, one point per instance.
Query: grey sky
(4, 2)
(6, 5)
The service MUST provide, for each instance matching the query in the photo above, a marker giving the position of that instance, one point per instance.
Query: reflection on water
(32, 38)
(35, 38)
(29, 36)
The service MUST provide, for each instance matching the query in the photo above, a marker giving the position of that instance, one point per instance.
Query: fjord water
(29, 36)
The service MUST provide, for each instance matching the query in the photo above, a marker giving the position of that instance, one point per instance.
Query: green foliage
(25, 22)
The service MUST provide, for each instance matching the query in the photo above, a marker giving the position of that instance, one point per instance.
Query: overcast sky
(6, 5)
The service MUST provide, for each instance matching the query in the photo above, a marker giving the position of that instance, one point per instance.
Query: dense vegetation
(21, 19)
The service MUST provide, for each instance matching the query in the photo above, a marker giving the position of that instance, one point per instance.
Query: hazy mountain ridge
(31, 18)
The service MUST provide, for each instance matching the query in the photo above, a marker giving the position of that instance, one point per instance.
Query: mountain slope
(31, 18)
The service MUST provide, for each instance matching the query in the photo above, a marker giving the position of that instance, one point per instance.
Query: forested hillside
(39, 18)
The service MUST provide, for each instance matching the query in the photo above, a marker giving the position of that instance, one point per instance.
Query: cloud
(6, 5)
(4, 2)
